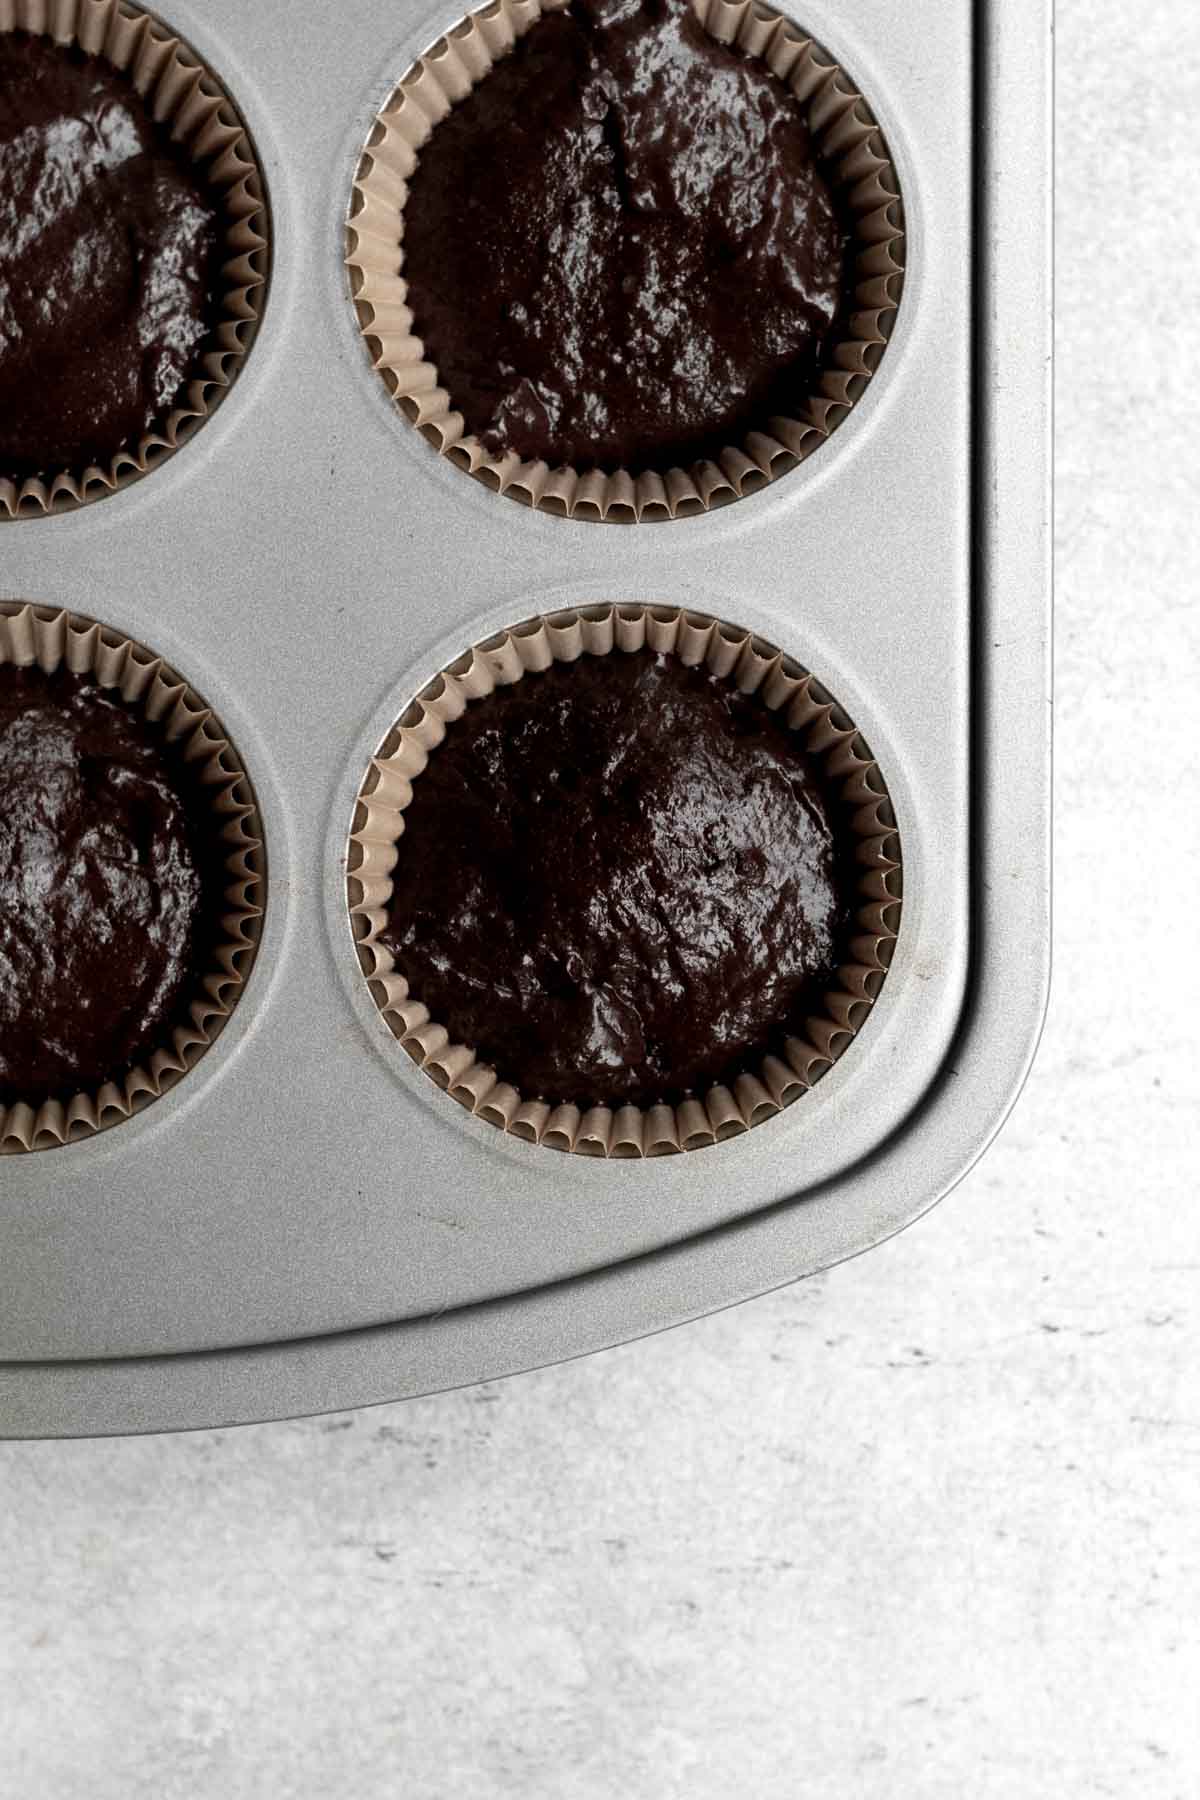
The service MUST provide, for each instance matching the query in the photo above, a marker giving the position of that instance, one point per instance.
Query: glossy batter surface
(108, 888)
(619, 881)
(621, 249)
(109, 261)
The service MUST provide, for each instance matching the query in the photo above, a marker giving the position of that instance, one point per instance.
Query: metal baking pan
(305, 1222)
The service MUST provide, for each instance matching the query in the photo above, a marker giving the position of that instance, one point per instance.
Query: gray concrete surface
(923, 1529)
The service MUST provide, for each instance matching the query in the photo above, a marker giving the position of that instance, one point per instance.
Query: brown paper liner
(826, 732)
(847, 136)
(51, 638)
(186, 96)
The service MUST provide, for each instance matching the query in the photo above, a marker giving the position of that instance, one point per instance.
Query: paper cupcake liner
(51, 639)
(847, 136)
(866, 815)
(182, 93)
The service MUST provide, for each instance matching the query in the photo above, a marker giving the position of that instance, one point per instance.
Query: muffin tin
(305, 1221)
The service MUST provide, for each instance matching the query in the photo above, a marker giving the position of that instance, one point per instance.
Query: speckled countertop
(924, 1528)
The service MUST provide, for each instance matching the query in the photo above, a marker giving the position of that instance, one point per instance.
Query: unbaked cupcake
(131, 256)
(626, 882)
(130, 878)
(629, 251)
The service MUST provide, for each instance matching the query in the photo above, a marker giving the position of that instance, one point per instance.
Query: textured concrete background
(923, 1529)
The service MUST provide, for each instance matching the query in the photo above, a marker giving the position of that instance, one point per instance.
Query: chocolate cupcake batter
(109, 261)
(621, 247)
(620, 881)
(110, 888)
